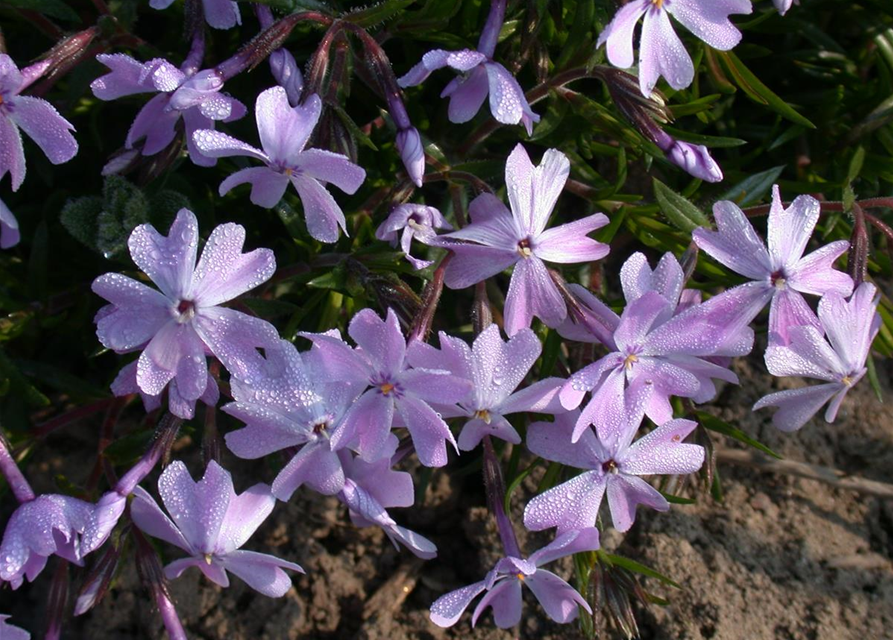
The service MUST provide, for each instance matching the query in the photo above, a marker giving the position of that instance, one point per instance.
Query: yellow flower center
(848, 381)
(482, 414)
(289, 171)
(658, 3)
(208, 558)
(630, 360)
(524, 248)
(386, 388)
(520, 576)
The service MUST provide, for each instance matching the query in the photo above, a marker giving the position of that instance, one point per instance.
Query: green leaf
(678, 209)
(856, 163)
(52, 8)
(715, 424)
(757, 91)
(677, 499)
(751, 190)
(636, 567)
(516, 482)
(376, 14)
(60, 379)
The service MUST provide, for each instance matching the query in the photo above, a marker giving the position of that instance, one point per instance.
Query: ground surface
(781, 558)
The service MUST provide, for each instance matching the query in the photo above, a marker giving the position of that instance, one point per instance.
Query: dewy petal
(43, 124)
(519, 181)
(661, 53)
(572, 542)
(569, 243)
(222, 14)
(662, 451)
(448, 608)
(638, 318)
(474, 263)
(11, 79)
(549, 178)
(9, 632)
(619, 33)
(283, 129)
(788, 310)
(475, 429)
(625, 493)
(851, 326)
(267, 186)
(428, 430)
(571, 505)
(463, 60)
(797, 406)
(323, 215)
(366, 426)
(224, 272)
(9, 228)
(168, 260)
(539, 397)
(532, 293)
(552, 441)
(807, 354)
(234, 338)
(497, 230)
(262, 572)
(506, 96)
(735, 244)
(560, 601)
(149, 517)
(382, 341)
(815, 273)
(467, 95)
(12, 156)
(155, 124)
(637, 278)
(127, 77)
(505, 598)
(186, 503)
(215, 144)
(317, 466)
(136, 314)
(789, 229)
(245, 513)
(332, 168)
(709, 19)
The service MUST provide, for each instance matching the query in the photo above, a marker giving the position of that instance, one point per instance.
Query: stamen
(185, 311)
(482, 414)
(520, 576)
(610, 466)
(208, 558)
(289, 171)
(386, 388)
(524, 248)
(630, 360)
(658, 3)
(848, 381)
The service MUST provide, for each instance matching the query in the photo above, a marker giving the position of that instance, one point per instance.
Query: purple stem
(20, 487)
(495, 495)
(490, 33)
(193, 61)
(167, 431)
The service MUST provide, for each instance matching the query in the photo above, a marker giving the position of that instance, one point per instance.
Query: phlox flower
(220, 14)
(284, 131)
(393, 390)
(9, 632)
(495, 369)
(291, 403)
(47, 525)
(614, 467)
(498, 238)
(661, 52)
(9, 228)
(177, 327)
(36, 117)
(416, 221)
(835, 352)
(157, 120)
(503, 586)
(781, 273)
(210, 522)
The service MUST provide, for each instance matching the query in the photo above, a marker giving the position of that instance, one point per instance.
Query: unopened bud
(98, 579)
(695, 160)
(409, 144)
(288, 75)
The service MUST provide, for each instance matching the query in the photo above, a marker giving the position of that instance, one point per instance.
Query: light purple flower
(291, 403)
(9, 228)
(211, 523)
(220, 14)
(36, 117)
(613, 467)
(503, 586)
(157, 120)
(284, 132)
(395, 391)
(480, 75)
(781, 273)
(178, 326)
(125, 383)
(495, 369)
(9, 632)
(837, 357)
(655, 343)
(47, 525)
(498, 238)
(661, 52)
(417, 221)
(370, 488)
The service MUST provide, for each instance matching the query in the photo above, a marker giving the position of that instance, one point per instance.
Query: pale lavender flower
(291, 403)
(655, 343)
(47, 525)
(220, 14)
(9, 632)
(417, 221)
(284, 132)
(125, 383)
(211, 523)
(495, 369)
(613, 467)
(370, 488)
(661, 52)
(282, 63)
(157, 120)
(498, 238)
(503, 586)
(180, 325)
(481, 75)
(36, 117)
(9, 228)
(781, 273)
(395, 390)
(837, 357)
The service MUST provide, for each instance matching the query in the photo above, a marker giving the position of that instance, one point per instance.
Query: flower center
(630, 360)
(524, 248)
(610, 466)
(482, 414)
(185, 311)
(386, 388)
(778, 280)
(207, 557)
(848, 381)
(520, 576)
(658, 3)
(320, 427)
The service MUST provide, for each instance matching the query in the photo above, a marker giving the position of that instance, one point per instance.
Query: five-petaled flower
(284, 131)
(498, 238)
(417, 221)
(178, 326)
(211, 523)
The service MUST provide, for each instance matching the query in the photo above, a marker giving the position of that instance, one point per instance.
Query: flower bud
(287, 74)
(409, 144)
(696, 160)
(195, 90)
(99, 577)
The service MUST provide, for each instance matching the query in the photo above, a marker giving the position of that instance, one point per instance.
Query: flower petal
(797, 406)
(448, 608)
(245, 513)
(532, 293)
(149, 517)
(662, 451)
(571, 505)
(625, 493)
(619, 33)
(709, 20)
(505, 598)
(262, 572)
(735, 244)
(560, 601)
(323, 215)
(283, 129)
(42, 123)
(224, 272)
(569, 243)
(12, 156)
(168, 260)
(661, 53)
